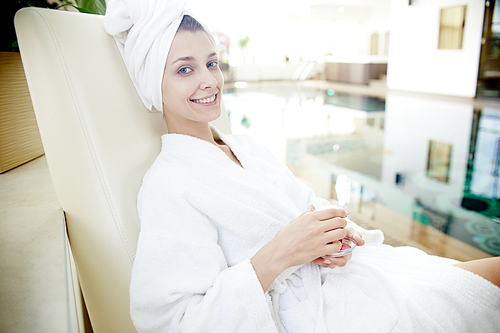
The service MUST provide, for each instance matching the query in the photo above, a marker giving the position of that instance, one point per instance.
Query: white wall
(299, 29)
(377, 22)
(407, 125)
(416, 64)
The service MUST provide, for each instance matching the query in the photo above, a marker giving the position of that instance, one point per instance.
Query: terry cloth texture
(203, 217)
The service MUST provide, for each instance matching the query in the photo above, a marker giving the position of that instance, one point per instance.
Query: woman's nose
(209, 80)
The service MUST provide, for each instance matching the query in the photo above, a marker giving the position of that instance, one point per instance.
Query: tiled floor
(33, 294)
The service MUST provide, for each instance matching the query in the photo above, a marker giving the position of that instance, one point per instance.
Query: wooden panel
(357, 73)
(19, 137)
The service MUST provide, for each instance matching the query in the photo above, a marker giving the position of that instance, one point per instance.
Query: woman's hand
(332, 262)
(311, 235)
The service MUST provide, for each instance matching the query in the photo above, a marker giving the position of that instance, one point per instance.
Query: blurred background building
(396, 98)
(431, 46)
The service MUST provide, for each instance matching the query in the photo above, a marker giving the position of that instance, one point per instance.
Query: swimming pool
(434, 160)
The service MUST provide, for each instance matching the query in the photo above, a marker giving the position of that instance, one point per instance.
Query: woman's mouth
(207, 100)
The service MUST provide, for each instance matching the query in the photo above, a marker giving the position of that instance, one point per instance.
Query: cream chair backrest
(99, 140)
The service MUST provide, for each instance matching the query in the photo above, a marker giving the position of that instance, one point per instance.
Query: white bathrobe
(203, 217)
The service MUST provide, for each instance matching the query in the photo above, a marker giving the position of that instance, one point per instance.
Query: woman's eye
(213, 64)
(184, 70)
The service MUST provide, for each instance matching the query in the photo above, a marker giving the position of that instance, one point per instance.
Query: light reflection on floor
(406, 163)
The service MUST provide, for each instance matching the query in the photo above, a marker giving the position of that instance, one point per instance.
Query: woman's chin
(214, 114)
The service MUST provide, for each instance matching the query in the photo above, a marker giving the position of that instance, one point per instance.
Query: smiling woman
(231, 241)
(192, 82)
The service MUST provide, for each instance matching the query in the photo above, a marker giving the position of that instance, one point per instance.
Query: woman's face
(192, 82)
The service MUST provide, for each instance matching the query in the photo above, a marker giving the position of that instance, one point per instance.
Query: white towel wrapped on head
(144, 31)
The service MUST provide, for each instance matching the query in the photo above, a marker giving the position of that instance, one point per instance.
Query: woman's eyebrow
(213, 54)
(184, 59)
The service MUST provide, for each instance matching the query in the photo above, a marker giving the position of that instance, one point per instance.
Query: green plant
(87, 6)
(244, 42)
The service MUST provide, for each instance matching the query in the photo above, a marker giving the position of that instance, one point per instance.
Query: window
(451, 29)
(438, 163)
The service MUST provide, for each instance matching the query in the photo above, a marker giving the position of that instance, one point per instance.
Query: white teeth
(205, 100)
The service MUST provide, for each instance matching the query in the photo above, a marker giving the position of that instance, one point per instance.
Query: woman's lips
(207, 100)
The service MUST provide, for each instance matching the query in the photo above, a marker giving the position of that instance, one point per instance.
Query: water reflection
(354, 101)
(434, 161)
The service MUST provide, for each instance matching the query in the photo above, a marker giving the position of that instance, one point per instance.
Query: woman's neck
(204, 132)
(199, 130)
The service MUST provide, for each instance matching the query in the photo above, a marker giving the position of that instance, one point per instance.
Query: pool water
(432, 159)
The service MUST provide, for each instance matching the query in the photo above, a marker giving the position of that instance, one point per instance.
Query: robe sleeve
(181, 281)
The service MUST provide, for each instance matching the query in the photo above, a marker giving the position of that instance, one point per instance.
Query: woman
(230, 241)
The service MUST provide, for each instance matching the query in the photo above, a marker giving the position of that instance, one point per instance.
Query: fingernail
(327, 261)
(311, 208)
(346, 213)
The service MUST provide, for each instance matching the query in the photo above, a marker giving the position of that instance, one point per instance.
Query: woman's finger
(332, 262)
(334, 235)
(336, 222)
(351, 233)
(341, 261)
(322, 262)
(329, 213)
